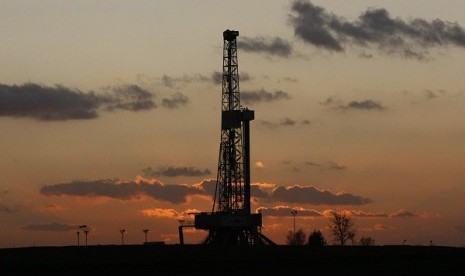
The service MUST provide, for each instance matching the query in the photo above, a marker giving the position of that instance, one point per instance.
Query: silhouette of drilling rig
(231, 223)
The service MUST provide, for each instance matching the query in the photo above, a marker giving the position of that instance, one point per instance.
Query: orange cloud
(169, 213)
(259, 165)
(162, 213)
(355, 213)
(265, 186)
(285, 211)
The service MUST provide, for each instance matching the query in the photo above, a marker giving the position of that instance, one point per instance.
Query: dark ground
(200, 260)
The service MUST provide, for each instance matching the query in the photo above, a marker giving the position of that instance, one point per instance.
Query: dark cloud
(123, 190)
(53, 227)
(335, 166)
(331, 165)
(267, 124)
(128, 97)
(172, 171)
(354, 105)
(286, 122)
(274, 46)
(285, 211)
(177, 100)
(245, 77)
(364, 105)
(4, 208)
(58, 103)
(374, 28)
(257, 191)
(312, 195)
(435, 94)
(47, 103)
(289, 79)
(181, 81)
(365, 55)
(168, 81)
(217, 77)
(207, 185)
(259, 96)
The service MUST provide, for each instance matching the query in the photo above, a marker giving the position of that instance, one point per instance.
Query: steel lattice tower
(231, 222)
(231, 182)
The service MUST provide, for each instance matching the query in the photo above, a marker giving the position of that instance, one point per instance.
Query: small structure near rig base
(231, 223)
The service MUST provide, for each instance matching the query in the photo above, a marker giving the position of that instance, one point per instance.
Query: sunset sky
(110, 116)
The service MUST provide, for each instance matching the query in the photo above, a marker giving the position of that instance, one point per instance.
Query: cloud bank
(260, 96)
(59, 103)
(273, 46)
(172, 171)
(124, 190)
(314, 196)
(217, 77)
(179, 193)
(366, 105)
(285, 122)
(374, 28)
(175, 101)
(328, 166)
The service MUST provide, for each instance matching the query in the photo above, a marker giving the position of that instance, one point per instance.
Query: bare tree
(342, 228)
(367, 241)
(296, 239)
(316, 238)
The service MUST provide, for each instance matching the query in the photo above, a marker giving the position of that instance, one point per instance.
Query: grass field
(201, 260)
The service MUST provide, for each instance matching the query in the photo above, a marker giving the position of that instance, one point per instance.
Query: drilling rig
(231, 222)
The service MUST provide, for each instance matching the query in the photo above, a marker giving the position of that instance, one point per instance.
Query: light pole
(145, 232)
(77, 232)
(122, 236)
(87, 233)
(294, 212)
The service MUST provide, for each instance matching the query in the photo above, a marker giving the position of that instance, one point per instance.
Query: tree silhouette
(316, 238)
(298, 239)
(367, 241)
(342, 228)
